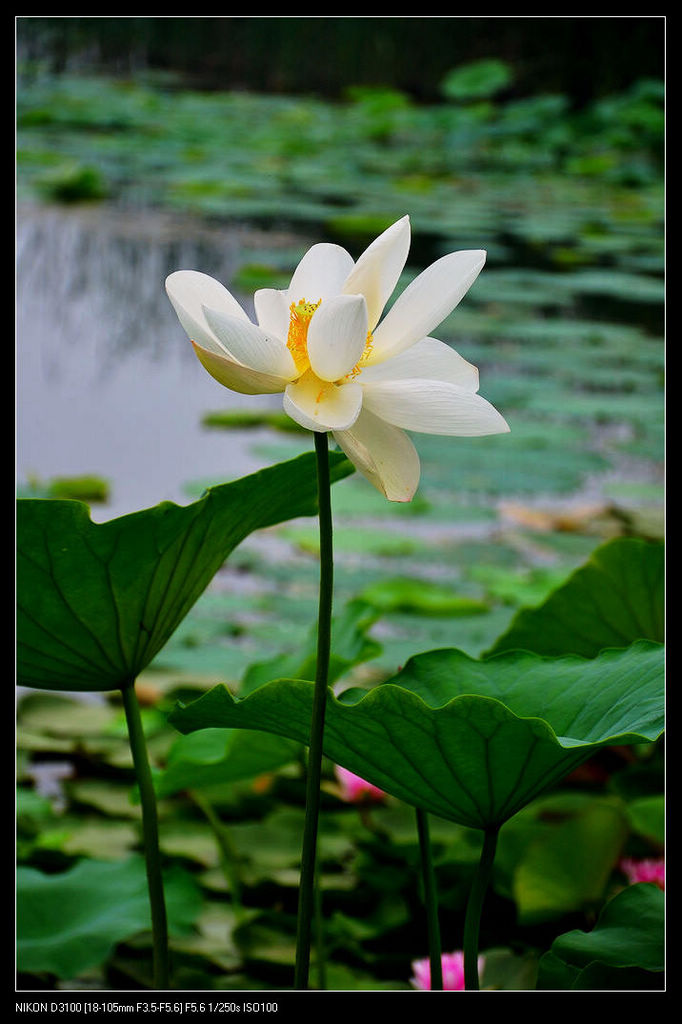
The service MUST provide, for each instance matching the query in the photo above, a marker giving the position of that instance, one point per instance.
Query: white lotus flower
(341, 368)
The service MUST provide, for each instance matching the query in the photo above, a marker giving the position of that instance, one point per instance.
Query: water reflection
(106, 381)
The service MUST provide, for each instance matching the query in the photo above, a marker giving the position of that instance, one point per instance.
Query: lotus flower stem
(150, 836)
(306, 905)
(430, 900)
(472, 920)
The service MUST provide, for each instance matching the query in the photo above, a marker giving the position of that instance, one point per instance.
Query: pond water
(106, 381)
(108, 385)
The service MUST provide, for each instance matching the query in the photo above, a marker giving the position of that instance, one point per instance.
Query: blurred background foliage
(230, 145)
(582, 57)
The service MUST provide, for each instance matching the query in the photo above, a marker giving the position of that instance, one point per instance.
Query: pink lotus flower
(356, 790)
(453, 972)
(649, 870)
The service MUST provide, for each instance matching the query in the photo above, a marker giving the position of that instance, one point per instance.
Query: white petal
(376, 273)
(318, 405)
(384, 454)
(428, 359)
(337, 336)
(433, 407)
(189, 291)
(251, 346)
(272, 311)
(321, 273)
(426, 302)
(237, 377)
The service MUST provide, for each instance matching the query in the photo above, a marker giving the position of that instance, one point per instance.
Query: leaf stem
(306, 905)
(150, 836)
(228, 854)
(430, 900)
(320, 952)
(472, 920)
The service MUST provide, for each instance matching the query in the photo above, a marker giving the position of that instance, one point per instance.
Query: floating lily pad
(74, 183)
(93, 837)
(515, 587)
(88, 488)
(192, 841)
(107, 797)
(246, 419)
(69, 922)
(96, 602)
(477, 79)
(420, 597)
(472, 741)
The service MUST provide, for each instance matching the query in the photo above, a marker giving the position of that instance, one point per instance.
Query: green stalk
(228, 855)
(320, 953)
(472, 920)
(430, 900)
(306, 904)
(150, 836)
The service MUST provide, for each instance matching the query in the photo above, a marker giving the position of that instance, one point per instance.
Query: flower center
(300, 315)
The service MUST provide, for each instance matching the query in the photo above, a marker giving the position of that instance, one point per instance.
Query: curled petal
(433, 407)
(321, 273)
(384, 454)
(426, 302)
(320, 405)
(376, 273)
(250, 345)
(237, 377)
(272, 311)
(428, 359)
(337, 336)
(189, 291)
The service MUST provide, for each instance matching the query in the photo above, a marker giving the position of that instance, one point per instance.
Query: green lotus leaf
(646, 815)
(626, 942)
(97, 601)
(555, 974)
(217, 756)
(615, 598)
(567, 866)
(471, 741)
(481, 78)
(71, 921)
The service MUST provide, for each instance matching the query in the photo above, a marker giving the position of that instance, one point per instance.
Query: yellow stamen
(362, 361)
(301, 313)
(297, 339)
